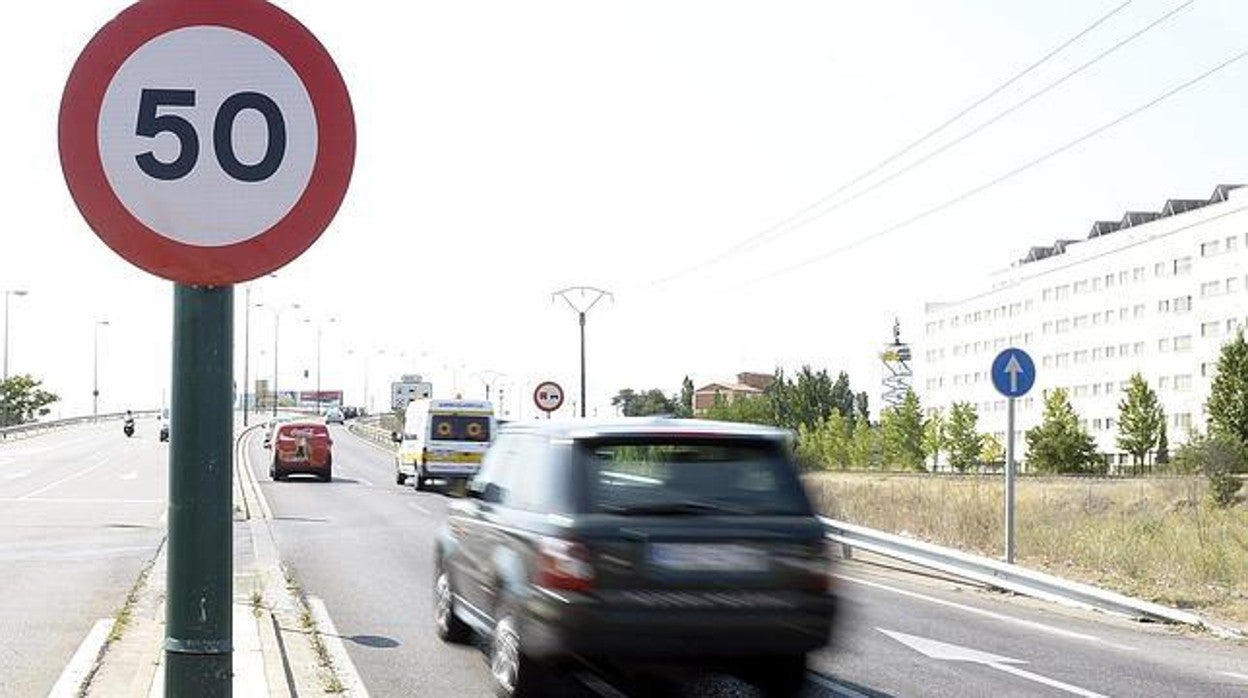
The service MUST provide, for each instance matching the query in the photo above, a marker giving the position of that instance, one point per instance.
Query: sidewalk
(278, 652)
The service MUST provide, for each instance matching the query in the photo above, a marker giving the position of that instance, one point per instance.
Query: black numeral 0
(150, 124)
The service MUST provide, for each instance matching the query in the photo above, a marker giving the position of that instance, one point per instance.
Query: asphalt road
(80, 513)
(364, 546)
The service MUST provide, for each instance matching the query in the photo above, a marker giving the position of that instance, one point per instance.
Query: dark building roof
(1173, 207)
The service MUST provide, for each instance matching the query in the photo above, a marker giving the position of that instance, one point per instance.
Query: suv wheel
(449, 626)
(779, 676)
(420, 482)
(515, 675)
(399, 478)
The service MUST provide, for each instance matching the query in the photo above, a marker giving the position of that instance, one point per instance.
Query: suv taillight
(564, 565)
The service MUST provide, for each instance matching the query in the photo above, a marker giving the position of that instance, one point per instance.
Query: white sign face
(548, 396)
(207, 136)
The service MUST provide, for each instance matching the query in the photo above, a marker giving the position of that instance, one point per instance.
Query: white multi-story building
(1155, 292)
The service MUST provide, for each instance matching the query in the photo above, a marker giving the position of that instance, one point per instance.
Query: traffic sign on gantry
(206, 142)
(1013, 372)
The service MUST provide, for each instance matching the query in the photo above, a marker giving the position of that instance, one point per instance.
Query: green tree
(1227, 406)
(934, 436)
(843, 398)
(751, 409)
(963, 439)
(825, 445)
(1219, 456)
(865, 446)
(1059, 444)
(991, 452)
(685, 408)
(643, 404)
(22, 400)
(1163, 444)
(862, 410)
(903, 433)
(1140, 419)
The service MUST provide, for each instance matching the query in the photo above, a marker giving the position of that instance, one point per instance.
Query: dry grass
(1157, 539)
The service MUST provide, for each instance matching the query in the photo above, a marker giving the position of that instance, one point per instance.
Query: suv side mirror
(396, 437)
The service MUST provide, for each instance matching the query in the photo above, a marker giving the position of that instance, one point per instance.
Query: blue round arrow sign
(1013, 372)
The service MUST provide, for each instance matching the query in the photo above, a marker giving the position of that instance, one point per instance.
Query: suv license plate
(698, 557)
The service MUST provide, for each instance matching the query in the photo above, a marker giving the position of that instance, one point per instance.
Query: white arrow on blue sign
(1013, 372)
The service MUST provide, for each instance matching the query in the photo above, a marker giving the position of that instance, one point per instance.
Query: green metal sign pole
(198, 628)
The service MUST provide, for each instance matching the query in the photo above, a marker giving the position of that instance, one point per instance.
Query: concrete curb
(274, 634)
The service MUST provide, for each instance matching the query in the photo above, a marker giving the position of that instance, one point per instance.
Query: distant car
(334, 416)
(302, 447)
(637, 540)
(349, 412)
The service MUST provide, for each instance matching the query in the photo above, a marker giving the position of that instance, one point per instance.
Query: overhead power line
(899, 153)
(1000, 178)
(981, 127)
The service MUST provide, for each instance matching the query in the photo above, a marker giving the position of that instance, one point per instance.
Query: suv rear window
(685, 477)
(303, 430)
(460, 428)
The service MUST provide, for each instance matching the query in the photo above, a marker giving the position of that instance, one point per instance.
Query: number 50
(150, 124)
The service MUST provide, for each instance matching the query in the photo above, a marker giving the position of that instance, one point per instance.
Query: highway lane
(364, 546)
(80, 513)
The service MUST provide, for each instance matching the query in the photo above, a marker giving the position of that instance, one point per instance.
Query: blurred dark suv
(636, 540)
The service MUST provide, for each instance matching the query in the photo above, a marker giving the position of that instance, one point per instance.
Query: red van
(302, 447)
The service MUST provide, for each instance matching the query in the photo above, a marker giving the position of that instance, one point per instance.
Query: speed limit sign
(548, 396)
(208, 142)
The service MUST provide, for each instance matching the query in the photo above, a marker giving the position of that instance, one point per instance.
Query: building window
(1029, 337)
(1081, 287)
(1047, 327)
(1163, 345)
(1163, 383)
(1232, 243)
(1211, 248)
(1183, 343)
(1137, 274)
(1211, 288)
(1028, 305)
(1061, 360)
(1163, 306)
(1098, 354)
(1097, 424)
(1046, 295)
(1096, 284)
(1182, 420)
(1063, 325)
(1098, 318)
(1109, 281)
(1139, 311)
(1204, 370)
(1109, 352)
(1232, 325)
(1096, 388)
(1081, 321)
(1047, 361)
(1159, 269)
(1211, 329)
(1061, 292)
(1122, 277)
(1081, 356)
(1138, 349)
(1183, 382)
(1232, 285)
(1182, 304)
(1182, 266)
(1109, 388)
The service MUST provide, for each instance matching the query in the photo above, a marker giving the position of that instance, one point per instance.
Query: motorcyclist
(128, 426)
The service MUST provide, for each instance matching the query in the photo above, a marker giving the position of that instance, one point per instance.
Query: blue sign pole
(1013, 375)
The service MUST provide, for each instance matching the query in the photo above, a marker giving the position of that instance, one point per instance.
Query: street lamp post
(319, 327)
(95, 366)
(277, 325)
(247, 346)
(8, 293)
(597, 294)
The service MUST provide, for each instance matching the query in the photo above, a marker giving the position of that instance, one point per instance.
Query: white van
(443, 439)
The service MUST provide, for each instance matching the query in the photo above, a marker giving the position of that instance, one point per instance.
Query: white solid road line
(69, 685)
(1054, 683)
(419, 508)
(1236, 675)
(99, 464)
(836, 688)
(1061, 632)
(79, 500)
(344, 668)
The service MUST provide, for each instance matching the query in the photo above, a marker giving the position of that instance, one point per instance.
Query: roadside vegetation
(1162, 539)
(22, 400)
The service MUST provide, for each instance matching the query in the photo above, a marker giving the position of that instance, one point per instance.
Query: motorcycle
(129, 428)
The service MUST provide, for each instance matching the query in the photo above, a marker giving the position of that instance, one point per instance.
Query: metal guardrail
(372, 433)
(33, 428)
(1000, 575)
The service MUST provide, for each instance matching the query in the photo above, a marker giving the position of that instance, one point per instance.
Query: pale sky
(506, 150)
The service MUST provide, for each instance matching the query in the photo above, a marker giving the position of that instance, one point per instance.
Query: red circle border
(140, 245)
(538, 389)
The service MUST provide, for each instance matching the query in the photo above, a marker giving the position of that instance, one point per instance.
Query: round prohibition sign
(207, 142)
(548, 396)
